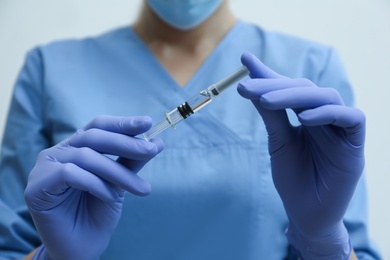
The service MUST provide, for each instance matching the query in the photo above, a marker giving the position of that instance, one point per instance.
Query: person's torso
(212, 190)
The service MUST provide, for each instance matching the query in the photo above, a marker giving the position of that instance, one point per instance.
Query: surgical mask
(184, 14)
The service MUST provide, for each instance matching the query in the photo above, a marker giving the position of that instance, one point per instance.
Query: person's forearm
(353, 256)
(30, 255)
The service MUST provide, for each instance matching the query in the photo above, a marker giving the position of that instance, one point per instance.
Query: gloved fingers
(254, 88)
(86, 181)
(300, 98)
(80, 179)
(159, 144)
(114, 143)
(256, 68)
(131, 125)
(352, 120)
(276, 121)
(44, 193)
(136, 165)
(101, 166)
(277, 125)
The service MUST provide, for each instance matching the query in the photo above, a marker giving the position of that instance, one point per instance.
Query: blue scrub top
(212, 191)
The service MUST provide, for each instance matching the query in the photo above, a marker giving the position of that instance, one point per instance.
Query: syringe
(195, 103)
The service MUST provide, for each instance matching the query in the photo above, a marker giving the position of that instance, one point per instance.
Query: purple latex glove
(75, 192)
(315, 166)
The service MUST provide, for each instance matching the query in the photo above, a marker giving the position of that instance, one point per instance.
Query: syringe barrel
(225, 83)
(195, 103)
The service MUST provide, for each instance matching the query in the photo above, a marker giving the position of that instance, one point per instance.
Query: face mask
(184, 14)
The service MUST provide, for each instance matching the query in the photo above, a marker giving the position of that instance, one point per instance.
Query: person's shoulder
(298, 44)
(290, 54)
(83, 45)
(285, 41)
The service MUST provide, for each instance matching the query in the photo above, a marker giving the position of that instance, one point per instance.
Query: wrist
(334, 245)
(40, 254)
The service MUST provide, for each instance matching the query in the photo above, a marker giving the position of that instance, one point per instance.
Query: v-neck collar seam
(201, 68)
(153, 58)
(215, 52)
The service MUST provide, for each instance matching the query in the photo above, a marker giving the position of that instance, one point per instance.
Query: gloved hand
(75, 192)
(315, 166)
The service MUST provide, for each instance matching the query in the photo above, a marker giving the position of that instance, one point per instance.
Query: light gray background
(360, 30)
